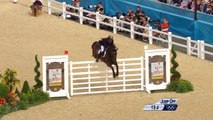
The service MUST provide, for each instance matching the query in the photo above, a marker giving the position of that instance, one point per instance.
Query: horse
(110, 57)
(36, 8)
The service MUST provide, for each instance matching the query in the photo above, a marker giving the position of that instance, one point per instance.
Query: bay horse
(110, 57)
(36, 8)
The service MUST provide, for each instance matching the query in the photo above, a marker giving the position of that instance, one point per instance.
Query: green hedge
(34, 97)
(25, 88)
(180, 86)
(4, 91)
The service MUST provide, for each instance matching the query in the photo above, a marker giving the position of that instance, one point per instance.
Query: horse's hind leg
(113, 72)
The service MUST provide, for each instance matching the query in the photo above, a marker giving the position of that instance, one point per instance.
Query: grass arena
(22, 36)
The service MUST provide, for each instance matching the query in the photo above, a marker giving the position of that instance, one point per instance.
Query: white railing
(89, 77)
(197, 48)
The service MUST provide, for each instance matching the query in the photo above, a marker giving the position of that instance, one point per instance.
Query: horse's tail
(94, 43)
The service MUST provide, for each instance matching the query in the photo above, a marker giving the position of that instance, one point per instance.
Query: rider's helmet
(110, 39)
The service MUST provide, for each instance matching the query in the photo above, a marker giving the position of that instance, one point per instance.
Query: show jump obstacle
(151, 72)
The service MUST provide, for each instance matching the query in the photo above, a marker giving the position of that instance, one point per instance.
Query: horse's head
(113, 52)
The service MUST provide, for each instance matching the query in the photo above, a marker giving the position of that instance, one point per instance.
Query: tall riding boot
(99, 56)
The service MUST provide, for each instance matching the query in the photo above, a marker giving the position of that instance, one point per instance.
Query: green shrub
(175, 74)
(4, 90)
(22, 105)
(31, 98)
(184, 86)
(35, 97)
(180, 86)
(17, 92)
(24, 97)
(5, 109)
(40, 96)
(39, 83)
(172, 86)
(25, 88)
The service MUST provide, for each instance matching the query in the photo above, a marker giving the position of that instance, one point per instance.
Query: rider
(37, 3)
(105, 44)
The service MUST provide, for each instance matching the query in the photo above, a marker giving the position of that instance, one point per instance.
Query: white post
(114, 25)
(198, 48)
(49, 7)
(150, 36)
(14, 1)
(107, 84)
(145, 47)
(71, 79)
(132, 30)
(124, 76)
(81, 15)
(142, 75)
(97, 21)
(89, 79)
(169, 40)
(64, 10)
(201, 50)
(189, 45)
(66, 77)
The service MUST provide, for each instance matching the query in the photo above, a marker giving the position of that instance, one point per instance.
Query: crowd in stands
(137, 17)
(205, 6)
(140, 18)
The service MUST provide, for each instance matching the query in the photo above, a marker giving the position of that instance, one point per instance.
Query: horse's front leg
(117, 70)
(113, 72)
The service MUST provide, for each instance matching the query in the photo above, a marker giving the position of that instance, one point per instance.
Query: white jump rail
(199, 48)
(93, 81)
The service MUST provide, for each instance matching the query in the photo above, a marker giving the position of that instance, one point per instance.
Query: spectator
(191, 5)
(203, 6)
(163, 1)
(164, 27)
(141, 16)
(99, 9)
(176, 2)
(129, 16)
(184, 4)
(146, 31)
(211, 3)
(144, 22)
(137, 12)
(76, 3)
(209, 10)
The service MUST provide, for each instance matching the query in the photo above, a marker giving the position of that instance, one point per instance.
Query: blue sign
(165, 104)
